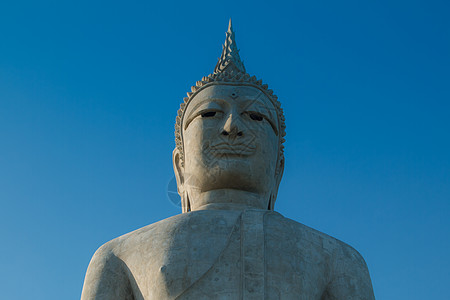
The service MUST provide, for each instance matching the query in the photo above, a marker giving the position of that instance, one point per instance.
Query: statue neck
(227, 199)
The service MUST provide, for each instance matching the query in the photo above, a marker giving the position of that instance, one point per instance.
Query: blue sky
(88, 97)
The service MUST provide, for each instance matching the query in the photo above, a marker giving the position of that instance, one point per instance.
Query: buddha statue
(228, 242)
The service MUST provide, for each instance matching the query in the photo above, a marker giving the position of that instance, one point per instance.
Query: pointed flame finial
(229, 60)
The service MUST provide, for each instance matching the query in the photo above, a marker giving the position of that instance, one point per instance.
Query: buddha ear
(280, 171)
(179, 175)
(278, 176)
(179, 171)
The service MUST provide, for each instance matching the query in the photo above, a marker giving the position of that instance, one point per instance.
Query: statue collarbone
(228, 242)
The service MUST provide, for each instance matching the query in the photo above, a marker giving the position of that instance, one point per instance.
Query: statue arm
(106, 277)
(350, 279)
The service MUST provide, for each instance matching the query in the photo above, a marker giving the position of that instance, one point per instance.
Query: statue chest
(228, 256)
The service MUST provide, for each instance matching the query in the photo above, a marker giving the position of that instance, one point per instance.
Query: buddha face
(231, 142)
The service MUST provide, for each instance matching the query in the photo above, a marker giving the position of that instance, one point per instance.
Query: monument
(228, 243)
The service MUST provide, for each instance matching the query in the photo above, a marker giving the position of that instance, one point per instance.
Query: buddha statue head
(229, 135)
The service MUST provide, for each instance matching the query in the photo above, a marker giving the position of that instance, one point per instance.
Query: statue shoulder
(336, 248)
(304, 233)
(140, 237)
(346, 271)
(154, 235)
(349, 277)
(107, 276)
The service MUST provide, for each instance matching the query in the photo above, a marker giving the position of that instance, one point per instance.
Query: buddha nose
(232, 126)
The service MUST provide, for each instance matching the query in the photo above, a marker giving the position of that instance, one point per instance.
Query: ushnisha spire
(230, 61)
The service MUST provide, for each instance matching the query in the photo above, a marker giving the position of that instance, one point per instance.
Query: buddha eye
(256, 116)
(208, 114)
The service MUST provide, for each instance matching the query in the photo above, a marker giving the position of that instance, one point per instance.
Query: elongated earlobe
(185, 203)
(270, 205)
(274, 193)
(179, 175)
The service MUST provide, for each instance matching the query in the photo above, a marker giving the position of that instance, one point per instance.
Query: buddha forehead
(242, 97)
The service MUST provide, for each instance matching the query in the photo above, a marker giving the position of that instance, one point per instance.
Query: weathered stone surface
(215, 254)
(228, 243)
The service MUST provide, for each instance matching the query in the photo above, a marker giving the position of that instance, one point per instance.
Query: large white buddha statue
(228, 243)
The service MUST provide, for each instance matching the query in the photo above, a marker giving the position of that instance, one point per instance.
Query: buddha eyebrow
(194, 109)
(214, 100)
(259, 107)
(257, 101)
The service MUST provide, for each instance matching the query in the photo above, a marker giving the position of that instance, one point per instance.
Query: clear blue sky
(89, 92)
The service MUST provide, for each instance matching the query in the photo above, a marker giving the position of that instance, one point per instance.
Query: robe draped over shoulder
(216, 254)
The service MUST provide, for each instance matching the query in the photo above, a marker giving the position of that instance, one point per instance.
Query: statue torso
(254, 254)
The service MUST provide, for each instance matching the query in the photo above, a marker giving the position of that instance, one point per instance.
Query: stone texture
(232, 254)
(228, 243)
